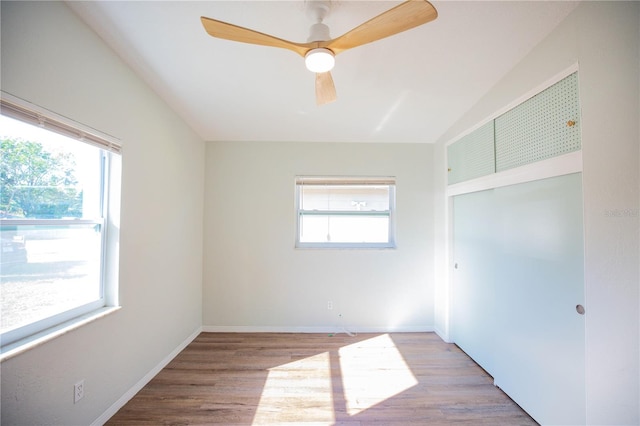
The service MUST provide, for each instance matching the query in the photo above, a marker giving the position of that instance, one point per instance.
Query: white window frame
(300, 181)
(16, 340)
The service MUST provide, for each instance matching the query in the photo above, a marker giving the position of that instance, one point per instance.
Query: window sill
(49, 334)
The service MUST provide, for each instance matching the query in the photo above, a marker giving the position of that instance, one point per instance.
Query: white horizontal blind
(31, 114)
(314, 180)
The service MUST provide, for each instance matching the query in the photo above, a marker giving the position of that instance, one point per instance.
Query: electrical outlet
(330, 305)
(78, 391)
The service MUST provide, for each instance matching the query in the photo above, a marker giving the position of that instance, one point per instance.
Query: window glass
(345, 197)
(344, 229)
(52, 224)
(345, 212)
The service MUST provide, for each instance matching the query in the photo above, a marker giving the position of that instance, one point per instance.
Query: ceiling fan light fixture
(319, 60)
(320, 49)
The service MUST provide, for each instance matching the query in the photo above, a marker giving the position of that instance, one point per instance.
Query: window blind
(21, 110)
(311, 180)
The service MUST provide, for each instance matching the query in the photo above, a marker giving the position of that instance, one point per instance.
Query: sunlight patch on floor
(373, 371)
(291, 393)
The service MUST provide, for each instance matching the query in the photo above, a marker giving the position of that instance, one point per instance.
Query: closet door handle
(580, 309)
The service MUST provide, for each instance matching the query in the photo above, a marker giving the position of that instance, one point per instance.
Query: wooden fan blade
(405, 16)
(325, 89)
(232, 32)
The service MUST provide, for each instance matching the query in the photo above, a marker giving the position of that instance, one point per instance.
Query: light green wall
(50, 58)
(254, 278)
(603, 38)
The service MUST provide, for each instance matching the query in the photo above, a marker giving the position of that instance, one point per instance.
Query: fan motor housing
(319, 32)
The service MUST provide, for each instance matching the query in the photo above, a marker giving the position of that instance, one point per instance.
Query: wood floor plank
(317, 379)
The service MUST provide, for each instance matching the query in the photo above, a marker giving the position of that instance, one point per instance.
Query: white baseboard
(142, 382)
(444, 336)
(320, 329)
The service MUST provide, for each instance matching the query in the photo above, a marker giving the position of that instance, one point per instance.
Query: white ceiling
(410, 87)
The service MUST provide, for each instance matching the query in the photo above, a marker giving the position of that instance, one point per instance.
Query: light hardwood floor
(279, 378)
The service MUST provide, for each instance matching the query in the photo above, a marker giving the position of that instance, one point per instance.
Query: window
(345, 212)
(55, 219)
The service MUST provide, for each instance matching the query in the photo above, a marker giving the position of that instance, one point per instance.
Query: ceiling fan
(319, 52)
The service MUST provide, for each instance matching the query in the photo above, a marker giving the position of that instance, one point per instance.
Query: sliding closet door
(524, 245)
(473, 276)
(539, 283)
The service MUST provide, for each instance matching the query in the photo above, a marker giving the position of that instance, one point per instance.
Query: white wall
(604, 39)
(254, 278)
(50, 58)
